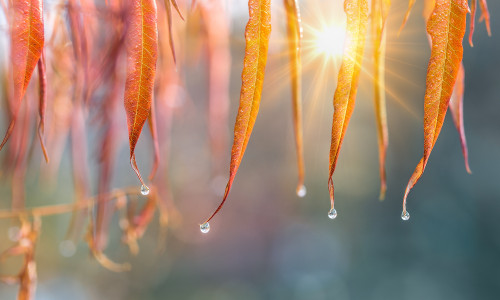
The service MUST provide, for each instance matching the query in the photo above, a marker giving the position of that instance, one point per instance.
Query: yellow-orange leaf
(142, 52)
(380, 10)
(257, 34)
(457, 112)
(407, 15)
(446, 27)
(345, 94)
(27, 41)
(294, 34)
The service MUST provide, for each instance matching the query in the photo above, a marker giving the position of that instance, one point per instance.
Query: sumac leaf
(142, 52)
(347, 86)
(27, 40)
(257, 34)
(446, 27)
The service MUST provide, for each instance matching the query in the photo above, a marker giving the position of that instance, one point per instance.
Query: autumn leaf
(257, 34)
(27, 39)
(473, 6)
(446, 27)
(347, 86)
(407, 15)
(168, 8)
(142, 52)
(380, 10)
(42, 104)
(294, 35)
(485, 15)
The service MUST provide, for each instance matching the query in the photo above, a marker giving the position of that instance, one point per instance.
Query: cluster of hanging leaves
(97, 52)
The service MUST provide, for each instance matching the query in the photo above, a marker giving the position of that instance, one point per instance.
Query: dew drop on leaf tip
(205, 227)
(301, 191)
(144, 190)
(332, 214)
(405, 215)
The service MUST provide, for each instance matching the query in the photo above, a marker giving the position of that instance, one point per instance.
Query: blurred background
(267, 243)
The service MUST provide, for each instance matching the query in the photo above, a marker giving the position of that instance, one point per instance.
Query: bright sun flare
(330, 41)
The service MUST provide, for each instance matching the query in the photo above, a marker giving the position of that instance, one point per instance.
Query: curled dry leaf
(27, 40)
(257, 34)
(294, 35)
(446, 27)
(347, 86)
(142, 52)
(380, 10)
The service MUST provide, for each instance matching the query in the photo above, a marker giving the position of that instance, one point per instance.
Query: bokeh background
(269, 244)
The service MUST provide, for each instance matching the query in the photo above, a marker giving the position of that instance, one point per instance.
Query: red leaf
(27, 39)
(142, 52)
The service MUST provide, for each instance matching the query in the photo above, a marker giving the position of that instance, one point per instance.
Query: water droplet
(144, 190)
(405, 215)
(301, 191)
(67, 248)
(332, 214)
(205, 227)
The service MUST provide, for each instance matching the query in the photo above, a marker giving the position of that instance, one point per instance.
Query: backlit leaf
(485, 15)
(27, 39)
(380, 10)
(142, 52)
(257, 34)
(347, 86)
(294, 35)
(446, 27)
(407, 15)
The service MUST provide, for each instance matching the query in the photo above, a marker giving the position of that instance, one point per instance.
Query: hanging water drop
(144, 190)
(205, 227)
(332, 214)
(301, 191)
(405, 215)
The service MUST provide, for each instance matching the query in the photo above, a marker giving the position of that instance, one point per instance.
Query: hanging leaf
(347, 86)
(142, 52)
(485, 15)
(294, 35)
(257, 34)
(168, 8)
(446, 27)
(457, 112)
(380, 10)
(407, 15)
(473, 5)
(27, 41)
(42, 104)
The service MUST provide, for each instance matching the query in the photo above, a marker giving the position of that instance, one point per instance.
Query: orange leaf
(473, 5)
(380, 9)
(168, 9)
(456, 108)
(347, 86)
(27, 41)
(294, 34)
(257, 34)
(407, 15)
(446, 27)
(142, 52)
(485, 15)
